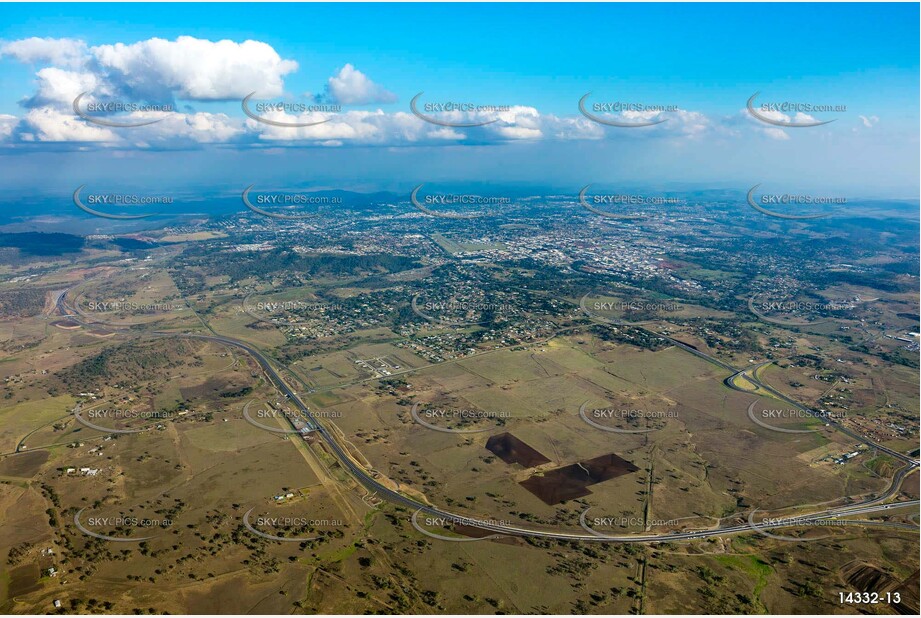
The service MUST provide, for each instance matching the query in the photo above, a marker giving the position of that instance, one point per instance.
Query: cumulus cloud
(379, 128)
(196, 69)
(173, 130)
(47, 124)
(802, 118)
(775, 133)
(159, 71)
(60, 87)
(7, 124)
(743, 123)
(519, 122)
(869, 121)
(359, 127)
(775, 115)
(60, 52)
(799, 118)
(155, 70)
(352, 87)
(686, 123)
(569, 128)
(176, 129)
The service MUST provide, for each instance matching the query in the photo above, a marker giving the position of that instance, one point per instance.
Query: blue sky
(540, 59)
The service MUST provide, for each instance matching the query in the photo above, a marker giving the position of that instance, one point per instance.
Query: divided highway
(370, 483)
(366, 479)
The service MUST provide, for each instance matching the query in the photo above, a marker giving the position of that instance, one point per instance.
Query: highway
(369, 482)
(366, 479)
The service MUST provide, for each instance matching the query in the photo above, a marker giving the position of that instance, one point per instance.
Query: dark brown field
(607, 467)
(24, 464)
(511, 450)
(572, 481)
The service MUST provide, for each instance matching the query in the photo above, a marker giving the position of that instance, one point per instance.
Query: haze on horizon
(202, 63)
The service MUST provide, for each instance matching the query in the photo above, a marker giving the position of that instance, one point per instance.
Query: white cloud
(775, 133)
(49, 125)
(801, 118)
(7, 124)
(59, 87)
(352, 87)
(868, 122)
(685, 123)
(743, 123)
(519, 132)
(204, 127)
(70, 53)
(519, 122)
(574, 127)
(359, 127)
(446, 133)
(155, 70)
(776, 116)
(174, 130)
(196, 69)
(180, 129)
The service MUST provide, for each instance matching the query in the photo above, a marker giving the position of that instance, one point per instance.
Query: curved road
(370, 483)
(373, 485)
